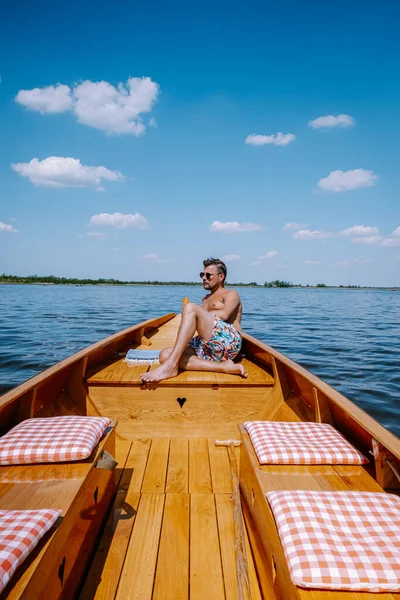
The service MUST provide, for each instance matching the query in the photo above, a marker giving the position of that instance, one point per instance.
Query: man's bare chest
(214, 303)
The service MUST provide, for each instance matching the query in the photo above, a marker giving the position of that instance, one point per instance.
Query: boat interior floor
(170, 532)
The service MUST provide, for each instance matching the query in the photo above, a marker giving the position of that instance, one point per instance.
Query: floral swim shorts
(224, 344)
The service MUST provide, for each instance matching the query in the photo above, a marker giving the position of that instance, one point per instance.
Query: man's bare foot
(233, 368)
(165, 371)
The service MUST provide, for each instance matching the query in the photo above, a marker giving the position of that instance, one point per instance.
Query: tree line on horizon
(52, 279)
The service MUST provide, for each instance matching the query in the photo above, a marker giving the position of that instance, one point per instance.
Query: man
(217, 322)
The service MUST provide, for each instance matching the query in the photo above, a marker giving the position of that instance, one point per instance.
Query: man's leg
(193, 318)
(190, 362)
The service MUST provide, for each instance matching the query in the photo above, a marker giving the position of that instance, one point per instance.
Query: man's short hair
(221, 266)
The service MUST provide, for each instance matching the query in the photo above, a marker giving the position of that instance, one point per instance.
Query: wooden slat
(224, 505)
(199, 467)
(217, 429)
(301, 477)
(206, 579)
(45, 494)
(156, 470)
(117, 373)
(178, 466)
(137, 462)
(357, 478)
(136, 582)
(256, 375)
(172, 573)
(220, 468)
(188, 378)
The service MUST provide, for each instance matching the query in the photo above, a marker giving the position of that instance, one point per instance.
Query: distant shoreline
(51, 280)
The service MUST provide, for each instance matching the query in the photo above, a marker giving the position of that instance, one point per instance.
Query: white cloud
(119, 220)
(48, 100)
(230, 258)
(234, 227)
(152, 257)
(155, 259)
(391, 242)
(377, 240)
(313, 262)
(269, 255)
(152, 122)
(7, 228)
(360, 230)
(332, 121)
(263, 257)
(308, 235)
(371, 240)
(56, 171)
(278, 139)
(340, 181)
(99, 235)
(116, 110)
(396, 232)
(291, 225)
(351, 262)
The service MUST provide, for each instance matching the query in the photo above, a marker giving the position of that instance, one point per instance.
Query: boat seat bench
(256, 480)
(119, 373)
(83, 490)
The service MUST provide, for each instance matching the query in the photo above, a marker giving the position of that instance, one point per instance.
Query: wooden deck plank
(220, 468)
(256, 375)
(178, 467)
(199, 467)
(117, 373)
(217, 428)
(156, 469)
(137, 577)
(137, 461)
(188, 378)
(206, 579)
(224, 506)
(301, 477)
(357, 478)
(172, 572)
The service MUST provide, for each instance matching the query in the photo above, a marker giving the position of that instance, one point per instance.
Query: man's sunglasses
(208, 276)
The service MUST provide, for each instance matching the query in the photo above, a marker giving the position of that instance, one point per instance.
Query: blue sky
(139, 139)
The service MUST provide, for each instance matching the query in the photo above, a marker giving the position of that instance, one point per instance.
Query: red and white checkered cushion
(20, 531)
(278, 443)
(340, 540)
(53, 439)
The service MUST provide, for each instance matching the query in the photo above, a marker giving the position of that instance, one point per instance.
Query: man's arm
(231, 303)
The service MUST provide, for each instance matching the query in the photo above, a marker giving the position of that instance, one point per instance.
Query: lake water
(349, 338)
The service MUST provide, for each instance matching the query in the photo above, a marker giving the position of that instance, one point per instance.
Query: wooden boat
(163, 524)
